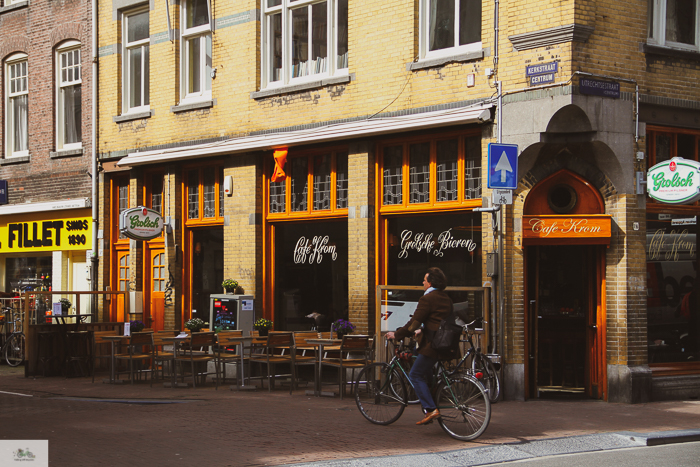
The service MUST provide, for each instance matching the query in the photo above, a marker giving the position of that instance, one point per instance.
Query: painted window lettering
(313, 250)
(424, 242)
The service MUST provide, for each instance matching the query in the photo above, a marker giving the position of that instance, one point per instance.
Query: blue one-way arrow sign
(503, 166)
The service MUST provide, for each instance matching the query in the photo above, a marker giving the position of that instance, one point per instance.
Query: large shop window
(28, 273)
(431, 173)
(451, 242)
(311, 274)
(673, 311)
(316, 185)
(672, 289)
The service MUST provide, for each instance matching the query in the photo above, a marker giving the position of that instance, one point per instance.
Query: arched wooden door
(157, 280)
(565, 232)
(121, 313)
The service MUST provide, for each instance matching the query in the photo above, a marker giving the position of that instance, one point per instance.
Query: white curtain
(20, 136)
(72, 116)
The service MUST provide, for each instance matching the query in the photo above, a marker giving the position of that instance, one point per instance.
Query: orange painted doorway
(157, 278)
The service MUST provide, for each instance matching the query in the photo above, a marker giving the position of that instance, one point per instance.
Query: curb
(521, 451)
(664, 437)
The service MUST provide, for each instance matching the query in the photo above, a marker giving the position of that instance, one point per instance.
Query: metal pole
(501, 232)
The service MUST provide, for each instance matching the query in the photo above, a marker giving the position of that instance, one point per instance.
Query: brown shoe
(429, 417)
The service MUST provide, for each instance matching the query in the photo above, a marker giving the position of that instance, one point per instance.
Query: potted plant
(263, 326)
(65, 305)
(230, 286)
(194, 325)
(342, 327)
(136, 326)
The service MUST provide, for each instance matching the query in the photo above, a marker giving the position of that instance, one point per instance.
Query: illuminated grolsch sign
(140, 223)
(676, 181)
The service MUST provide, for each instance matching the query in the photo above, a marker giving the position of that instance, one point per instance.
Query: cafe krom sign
(676, 181)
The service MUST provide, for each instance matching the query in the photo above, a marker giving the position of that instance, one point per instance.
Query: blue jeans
(421, 373)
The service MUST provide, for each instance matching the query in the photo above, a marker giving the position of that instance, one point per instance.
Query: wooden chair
(355, 353)
(198, 352)
(162, 356)
(305, 354)
(227, 340)
(302, 348)
(139, 349)
(98, 345)
(271, 356)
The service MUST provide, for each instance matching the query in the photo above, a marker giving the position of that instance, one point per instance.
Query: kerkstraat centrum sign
(676, 181)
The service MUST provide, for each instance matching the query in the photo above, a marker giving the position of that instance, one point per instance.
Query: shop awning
(323, 134)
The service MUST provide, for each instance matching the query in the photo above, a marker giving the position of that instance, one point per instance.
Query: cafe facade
(313, 180)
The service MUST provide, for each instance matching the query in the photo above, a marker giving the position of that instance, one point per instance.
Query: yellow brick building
(380, 115)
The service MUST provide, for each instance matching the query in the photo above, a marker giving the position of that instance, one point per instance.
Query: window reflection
(672, 305)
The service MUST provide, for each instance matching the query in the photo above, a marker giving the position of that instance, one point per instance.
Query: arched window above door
(564, 192)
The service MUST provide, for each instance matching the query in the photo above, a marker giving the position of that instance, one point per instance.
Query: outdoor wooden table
(112, 361)
(321, 343)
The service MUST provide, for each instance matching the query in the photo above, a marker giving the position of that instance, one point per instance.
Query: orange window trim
(432, 204)
(309, 213)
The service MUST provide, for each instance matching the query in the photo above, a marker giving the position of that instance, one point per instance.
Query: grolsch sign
(676, 181)
(140, 223)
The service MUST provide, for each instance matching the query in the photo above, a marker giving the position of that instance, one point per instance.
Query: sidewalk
(88, 423)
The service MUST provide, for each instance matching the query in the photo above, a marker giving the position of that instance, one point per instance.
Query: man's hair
(437, 278)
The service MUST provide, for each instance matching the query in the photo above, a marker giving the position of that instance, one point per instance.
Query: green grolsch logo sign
(675, 182)
(141, 223)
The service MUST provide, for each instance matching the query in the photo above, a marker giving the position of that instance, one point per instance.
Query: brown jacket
(431, 310)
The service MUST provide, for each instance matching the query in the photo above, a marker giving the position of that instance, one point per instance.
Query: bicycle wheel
(465, 410)
(490, 379)
(380, 393)
(411, 396)
(14, 350)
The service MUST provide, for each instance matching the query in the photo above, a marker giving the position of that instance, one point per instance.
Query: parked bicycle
(13, 348)
(482, 363)
(465, 410)
(404, 356)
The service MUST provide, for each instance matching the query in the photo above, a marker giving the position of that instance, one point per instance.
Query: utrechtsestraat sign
(141, 223)
(675, 182)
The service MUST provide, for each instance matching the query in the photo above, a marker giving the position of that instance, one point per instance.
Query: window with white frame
(136, 61)
(449, 27)
(16, 106)
(196, 51)
(69, 100)
(303, 40)
(675, 23)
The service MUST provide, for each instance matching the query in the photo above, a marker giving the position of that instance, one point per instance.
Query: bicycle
(465, 409)
(403, 361)
(482, 363)
(13, 348)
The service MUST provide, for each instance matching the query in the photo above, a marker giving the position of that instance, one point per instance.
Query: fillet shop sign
(674, 182)
(141, 223)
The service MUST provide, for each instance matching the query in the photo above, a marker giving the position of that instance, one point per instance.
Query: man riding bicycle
(434, 306)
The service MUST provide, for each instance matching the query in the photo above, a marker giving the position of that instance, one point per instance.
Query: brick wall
(36, 30)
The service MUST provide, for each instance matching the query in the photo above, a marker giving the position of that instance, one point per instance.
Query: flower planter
(263, 332)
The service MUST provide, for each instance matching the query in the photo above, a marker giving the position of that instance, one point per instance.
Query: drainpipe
(93, 142)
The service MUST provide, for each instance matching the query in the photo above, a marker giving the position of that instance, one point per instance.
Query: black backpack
(446, 339)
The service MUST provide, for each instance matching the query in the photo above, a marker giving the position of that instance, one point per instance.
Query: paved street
(124, 425)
